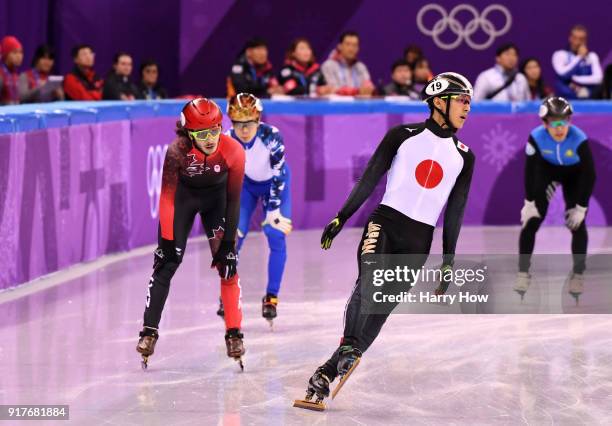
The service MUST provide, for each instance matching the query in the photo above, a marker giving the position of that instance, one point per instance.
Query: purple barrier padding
(72, 194)
(66, 198)
(328, 153)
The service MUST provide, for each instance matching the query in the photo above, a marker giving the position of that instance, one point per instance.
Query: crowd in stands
(82, 83)
(578, 71)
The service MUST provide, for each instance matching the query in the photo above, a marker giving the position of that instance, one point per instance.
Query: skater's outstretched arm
(235, 157)
(277, 162)
(531, 163)
(453, 216)
(377, 166)
(587, 174)
(167, 247)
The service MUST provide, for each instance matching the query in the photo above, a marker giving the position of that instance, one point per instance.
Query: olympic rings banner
(463, 32)
(72, 194)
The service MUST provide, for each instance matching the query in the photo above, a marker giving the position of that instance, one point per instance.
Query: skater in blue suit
(267, 177)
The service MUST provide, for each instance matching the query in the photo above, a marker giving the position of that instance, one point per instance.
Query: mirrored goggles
(206, 134)
(242, 125)
(558, 123)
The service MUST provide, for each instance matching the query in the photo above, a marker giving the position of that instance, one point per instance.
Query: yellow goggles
(464, 99)
(206, 134)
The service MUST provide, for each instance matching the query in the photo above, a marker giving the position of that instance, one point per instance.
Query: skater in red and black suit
(203, 173)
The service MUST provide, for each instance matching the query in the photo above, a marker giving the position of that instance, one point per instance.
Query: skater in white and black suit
(428, 167)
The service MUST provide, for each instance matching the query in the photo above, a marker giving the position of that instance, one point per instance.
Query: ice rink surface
(74, 343)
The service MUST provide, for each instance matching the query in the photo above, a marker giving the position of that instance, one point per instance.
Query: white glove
(529, 211)
(574, 217)
(277, 221)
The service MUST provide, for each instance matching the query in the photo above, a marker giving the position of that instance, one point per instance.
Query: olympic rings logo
(448, 20)
(155, 167)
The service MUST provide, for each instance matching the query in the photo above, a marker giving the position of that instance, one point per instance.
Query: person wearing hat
(558, 153)
(12, 57)
(427, 167)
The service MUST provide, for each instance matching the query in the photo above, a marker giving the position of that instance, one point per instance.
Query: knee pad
(276, 239)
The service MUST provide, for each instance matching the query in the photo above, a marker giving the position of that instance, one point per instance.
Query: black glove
(225, 259)
(332, 229)
(165, 252)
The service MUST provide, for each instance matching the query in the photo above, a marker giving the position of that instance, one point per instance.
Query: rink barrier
(80, 180)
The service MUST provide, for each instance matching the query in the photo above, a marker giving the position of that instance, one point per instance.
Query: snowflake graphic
(499, 147)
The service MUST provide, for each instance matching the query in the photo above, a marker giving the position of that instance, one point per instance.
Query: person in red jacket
(203, 173)
(82, 83)
(12, 57)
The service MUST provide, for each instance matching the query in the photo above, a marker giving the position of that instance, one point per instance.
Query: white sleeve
(525, 94)
(596, 73)
(481, 87)
(559, 65)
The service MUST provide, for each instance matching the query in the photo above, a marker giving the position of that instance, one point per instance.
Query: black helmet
(555, 106)
(447, 83)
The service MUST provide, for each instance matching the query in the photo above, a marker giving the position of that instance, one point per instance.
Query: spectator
(533, 72)
(422, 74)
(149, 87)
(503, 82)
(252, 72)
(412, 53)
(117, 85)
(578, 70)
(12, 57)
(34, 85)
(82, 83)
(401, 81)
(344, 72)
(301, 74)
(605, 92)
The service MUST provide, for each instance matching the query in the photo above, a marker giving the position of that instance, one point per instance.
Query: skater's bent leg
(157, 293)
(248, 202)
(231, 296)
(276, 259)
(580, 240)
(527, 243)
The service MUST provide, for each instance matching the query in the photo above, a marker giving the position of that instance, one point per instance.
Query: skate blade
(345, 378)
(309, 405)
(521, 293)
(240, 363)
(144, 363)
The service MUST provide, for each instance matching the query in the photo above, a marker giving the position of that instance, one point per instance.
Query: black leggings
(528, 233)
(210, 203)
(387, 232)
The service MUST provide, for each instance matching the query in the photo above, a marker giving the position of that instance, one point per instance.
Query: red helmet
(201, 113)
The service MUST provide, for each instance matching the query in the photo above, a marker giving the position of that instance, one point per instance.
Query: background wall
(196, 41)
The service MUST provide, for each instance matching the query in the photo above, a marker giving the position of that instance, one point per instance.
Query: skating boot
(523, 279)
(348, 360)
(576, 286)
(221, 311)
(146, 345)
(235, 347)
(317, 385)
(268, 307)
